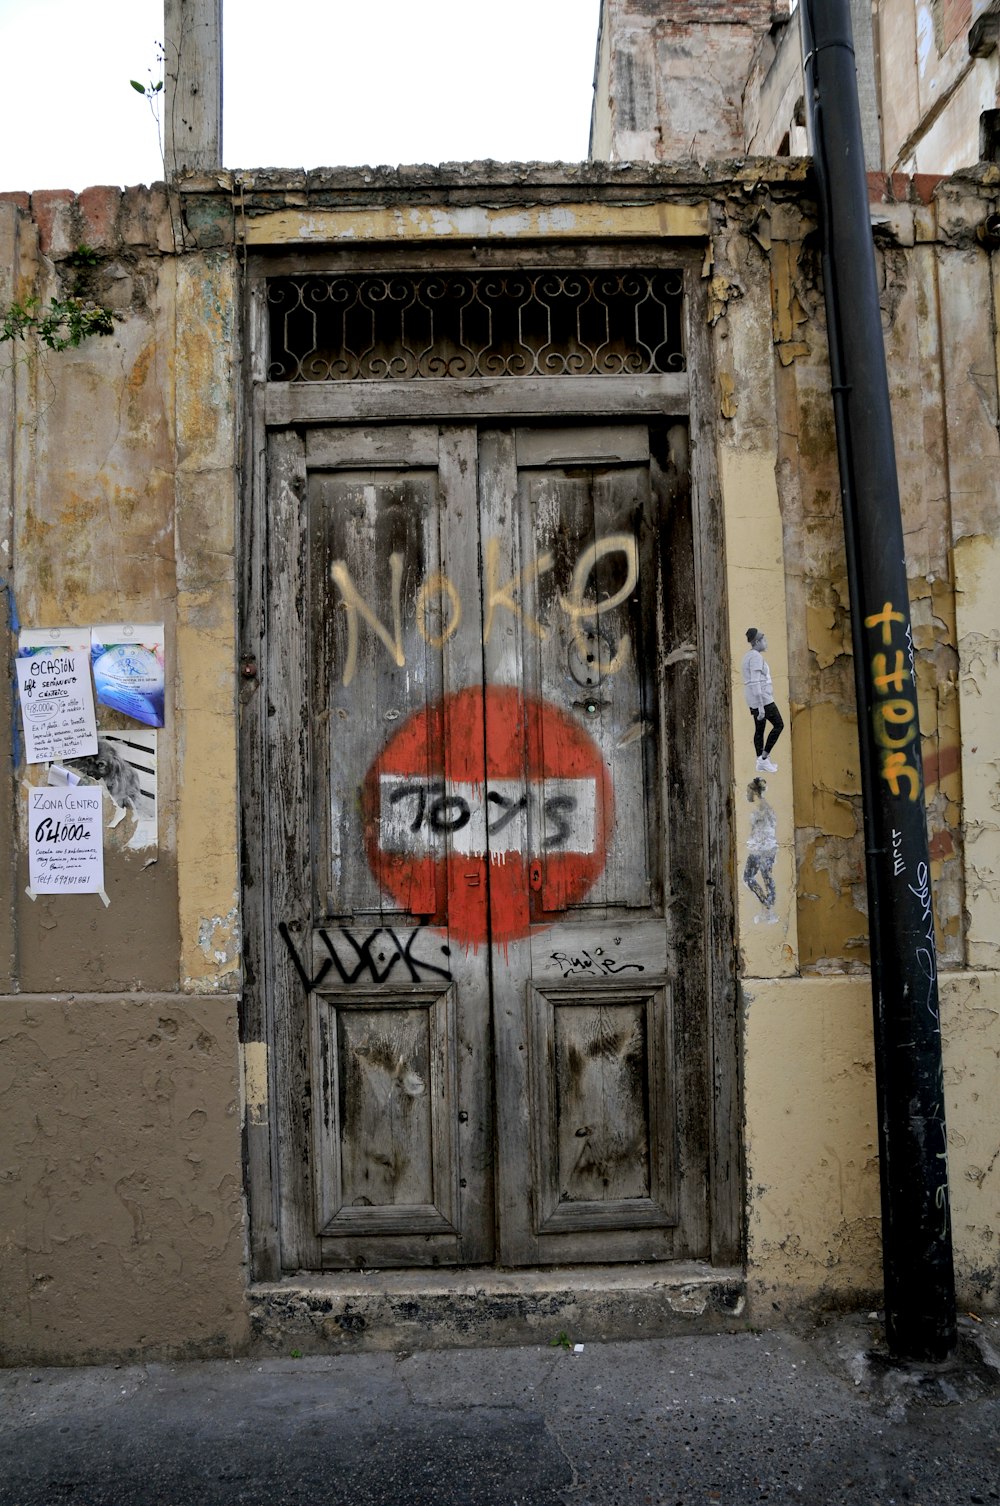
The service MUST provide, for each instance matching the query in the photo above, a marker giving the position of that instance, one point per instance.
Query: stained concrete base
(394, 1310)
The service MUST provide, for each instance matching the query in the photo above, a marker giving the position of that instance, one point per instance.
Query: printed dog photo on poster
(126, 765)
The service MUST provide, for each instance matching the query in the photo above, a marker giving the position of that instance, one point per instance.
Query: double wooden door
(486, 845)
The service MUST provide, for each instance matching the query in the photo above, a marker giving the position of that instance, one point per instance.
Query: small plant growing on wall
(152, 90)
(64, 322)
(59, 326)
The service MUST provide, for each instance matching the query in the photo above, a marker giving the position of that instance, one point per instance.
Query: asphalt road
(775, 1417)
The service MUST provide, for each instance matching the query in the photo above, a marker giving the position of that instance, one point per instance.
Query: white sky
(308, 83)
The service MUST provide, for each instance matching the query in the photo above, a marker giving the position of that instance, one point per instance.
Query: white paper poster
(66, 839)
(57, 697)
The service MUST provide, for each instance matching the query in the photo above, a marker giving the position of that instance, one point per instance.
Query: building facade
(678, 81)
(468, 971)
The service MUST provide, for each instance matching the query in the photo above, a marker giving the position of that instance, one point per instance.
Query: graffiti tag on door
(499, 595)
(489, 811)
(370, 959)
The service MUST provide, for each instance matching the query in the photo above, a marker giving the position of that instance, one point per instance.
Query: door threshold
(464, 1307)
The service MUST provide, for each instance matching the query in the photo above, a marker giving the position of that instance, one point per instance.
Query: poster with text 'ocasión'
(57, 699)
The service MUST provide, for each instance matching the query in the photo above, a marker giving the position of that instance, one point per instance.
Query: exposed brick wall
(106, 219)
(902, 188)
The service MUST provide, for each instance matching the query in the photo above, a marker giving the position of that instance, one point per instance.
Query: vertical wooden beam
(192, 33)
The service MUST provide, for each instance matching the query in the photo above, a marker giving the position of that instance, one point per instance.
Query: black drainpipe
(916, 1224)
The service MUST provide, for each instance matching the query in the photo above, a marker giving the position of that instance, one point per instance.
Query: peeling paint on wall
(219, 939)
(720, 290)
(788, 316)
(929, 435)
(255, 1082)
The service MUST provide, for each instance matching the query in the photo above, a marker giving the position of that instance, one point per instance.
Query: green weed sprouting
(60, 326)
(83, 257)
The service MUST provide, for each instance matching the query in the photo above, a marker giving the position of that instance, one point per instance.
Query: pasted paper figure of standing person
(759, 692)
(758, 873)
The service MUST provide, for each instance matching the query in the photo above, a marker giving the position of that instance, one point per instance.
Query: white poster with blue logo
(128, 665)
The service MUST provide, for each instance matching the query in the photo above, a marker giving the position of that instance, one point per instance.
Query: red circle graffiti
(488, 812)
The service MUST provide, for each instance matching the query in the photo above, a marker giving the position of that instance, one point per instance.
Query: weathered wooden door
(485, 792)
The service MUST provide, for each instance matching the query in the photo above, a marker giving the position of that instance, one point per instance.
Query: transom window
(403, 326)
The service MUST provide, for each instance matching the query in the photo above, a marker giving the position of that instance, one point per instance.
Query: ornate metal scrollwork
(332, 328)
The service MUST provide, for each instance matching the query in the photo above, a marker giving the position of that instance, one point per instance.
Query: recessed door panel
(604, 1147)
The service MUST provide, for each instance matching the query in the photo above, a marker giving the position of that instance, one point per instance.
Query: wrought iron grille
(475, 324)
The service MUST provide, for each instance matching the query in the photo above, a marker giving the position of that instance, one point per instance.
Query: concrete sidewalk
(813, 1416)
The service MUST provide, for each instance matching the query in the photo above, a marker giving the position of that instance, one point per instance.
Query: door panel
(360, 524)
(387, 1133)
(593, 526)
(398, 1068)
(590, 1065)
(604, 1151)
(486, 1030)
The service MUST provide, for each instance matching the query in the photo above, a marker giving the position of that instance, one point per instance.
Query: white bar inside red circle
(425, 814)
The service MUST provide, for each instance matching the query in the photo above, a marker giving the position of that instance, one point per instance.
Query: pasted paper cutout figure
(759, 693)
(758, 873)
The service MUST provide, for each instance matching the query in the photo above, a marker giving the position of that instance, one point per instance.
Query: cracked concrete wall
(122, 1217)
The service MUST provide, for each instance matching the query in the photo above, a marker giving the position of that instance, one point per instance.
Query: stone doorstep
(335, 1312)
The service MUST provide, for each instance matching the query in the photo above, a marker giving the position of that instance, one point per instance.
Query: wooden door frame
(687, 395)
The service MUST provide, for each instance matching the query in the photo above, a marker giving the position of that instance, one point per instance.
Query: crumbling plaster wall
(932, 90)
(671, 76)
(943, 391)
(809, 1095)
(119, 1124)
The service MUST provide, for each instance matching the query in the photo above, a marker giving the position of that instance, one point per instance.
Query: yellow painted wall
(121, 1203)
(811, 1138)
